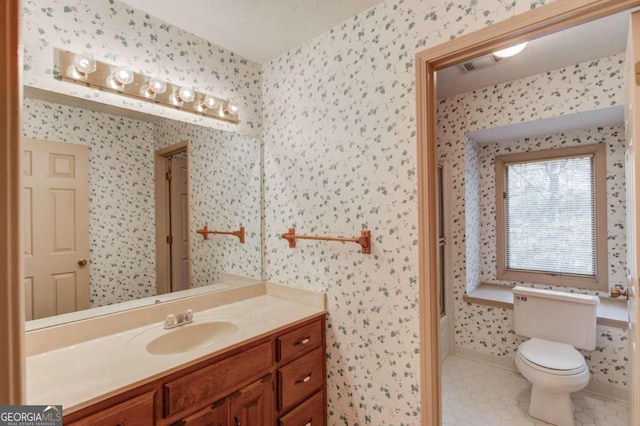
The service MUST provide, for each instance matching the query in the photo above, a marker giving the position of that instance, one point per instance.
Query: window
(551, 217)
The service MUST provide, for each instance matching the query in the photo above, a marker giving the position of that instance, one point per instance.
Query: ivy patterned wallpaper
(587, 86)
(121, 196)
(339, 138)
(118, 34)
(226, 182)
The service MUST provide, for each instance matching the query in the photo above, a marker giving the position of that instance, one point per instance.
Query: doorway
(541, 21)
(173, 218)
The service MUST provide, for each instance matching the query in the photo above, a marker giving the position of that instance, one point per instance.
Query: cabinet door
(252, 405)
(135, 411)
(214, 415)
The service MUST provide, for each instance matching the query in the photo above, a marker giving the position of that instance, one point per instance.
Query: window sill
(611, 312)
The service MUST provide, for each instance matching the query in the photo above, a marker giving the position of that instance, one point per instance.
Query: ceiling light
(510, 51)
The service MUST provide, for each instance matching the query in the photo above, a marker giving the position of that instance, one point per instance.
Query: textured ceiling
(258, 30)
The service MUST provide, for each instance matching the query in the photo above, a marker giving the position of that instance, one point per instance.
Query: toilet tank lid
(558, 295)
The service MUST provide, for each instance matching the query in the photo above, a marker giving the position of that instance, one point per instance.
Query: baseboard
(595, 387)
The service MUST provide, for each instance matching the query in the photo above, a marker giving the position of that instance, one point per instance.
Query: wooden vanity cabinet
(276, 380)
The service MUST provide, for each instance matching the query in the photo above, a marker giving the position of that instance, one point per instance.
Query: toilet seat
(553, 358)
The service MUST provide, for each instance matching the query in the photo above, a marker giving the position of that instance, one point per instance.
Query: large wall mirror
(105, 227)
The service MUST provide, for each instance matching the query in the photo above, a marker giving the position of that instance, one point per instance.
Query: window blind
(550, 216)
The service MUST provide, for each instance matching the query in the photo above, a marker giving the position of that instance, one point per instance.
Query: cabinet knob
(83, 262)
(303, 341)
(310, 422)
(237, 420)
(304, 380)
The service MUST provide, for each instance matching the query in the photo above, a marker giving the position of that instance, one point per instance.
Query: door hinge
(637, 72)
(169, 239)
(168, 175)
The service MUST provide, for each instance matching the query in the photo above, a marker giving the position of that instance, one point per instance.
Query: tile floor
(479, 394)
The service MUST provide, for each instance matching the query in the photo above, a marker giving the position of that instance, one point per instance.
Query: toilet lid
(552, 355)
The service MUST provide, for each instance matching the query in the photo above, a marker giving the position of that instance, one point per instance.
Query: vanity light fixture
(510, 51)
(86, 71)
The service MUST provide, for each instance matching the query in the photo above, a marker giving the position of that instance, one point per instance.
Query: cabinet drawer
(214, 415)
(299, 342)
(217, 380)
(309, 413)
(133, 412)
(299, 379)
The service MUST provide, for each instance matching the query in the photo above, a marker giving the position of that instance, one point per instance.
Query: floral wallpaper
(340, 156)
(118, 34)
(587, 86)
(226, 182)
(121, 194)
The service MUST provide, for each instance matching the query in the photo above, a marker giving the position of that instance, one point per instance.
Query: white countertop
(87, 372)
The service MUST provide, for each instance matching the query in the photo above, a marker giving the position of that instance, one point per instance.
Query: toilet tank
(557, 316)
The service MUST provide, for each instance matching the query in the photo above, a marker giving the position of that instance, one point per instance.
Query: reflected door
(179, 200)
(55, 227)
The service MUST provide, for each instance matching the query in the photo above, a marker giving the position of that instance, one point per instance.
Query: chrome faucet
(176, 320)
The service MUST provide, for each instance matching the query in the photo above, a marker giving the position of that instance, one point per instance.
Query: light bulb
(232, 108)
(510, 51)
(83, 65)
(120, 78)
(186, 94)
(157, 86)
(209, 102)
(153, 88)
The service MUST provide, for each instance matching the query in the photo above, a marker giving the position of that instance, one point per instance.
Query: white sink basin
(185, 338)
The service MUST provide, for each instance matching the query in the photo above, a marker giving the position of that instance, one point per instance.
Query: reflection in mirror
(90, 206)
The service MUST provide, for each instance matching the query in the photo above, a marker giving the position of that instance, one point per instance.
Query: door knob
(82, 262)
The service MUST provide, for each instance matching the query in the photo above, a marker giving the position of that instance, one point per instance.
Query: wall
(121, 196)
(226, 185)
(118, 34)
(340, 156)
(587, 86)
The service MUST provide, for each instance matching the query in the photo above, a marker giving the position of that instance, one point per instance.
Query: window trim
(601, 279)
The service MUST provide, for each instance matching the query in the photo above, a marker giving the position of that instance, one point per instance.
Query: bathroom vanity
(269, 371)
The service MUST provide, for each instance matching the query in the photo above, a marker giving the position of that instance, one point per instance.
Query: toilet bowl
(555, 370)
(557, 323)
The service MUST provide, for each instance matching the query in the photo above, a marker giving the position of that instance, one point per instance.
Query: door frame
(12, 362)
(163, 224)
(547, 19)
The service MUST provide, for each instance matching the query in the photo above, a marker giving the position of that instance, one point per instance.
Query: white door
(179, 199)
(56, 227)
(632, 118)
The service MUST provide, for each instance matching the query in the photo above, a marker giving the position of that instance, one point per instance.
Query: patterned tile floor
(479, 394)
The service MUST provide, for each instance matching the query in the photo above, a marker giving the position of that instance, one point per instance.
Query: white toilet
(557, 324)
